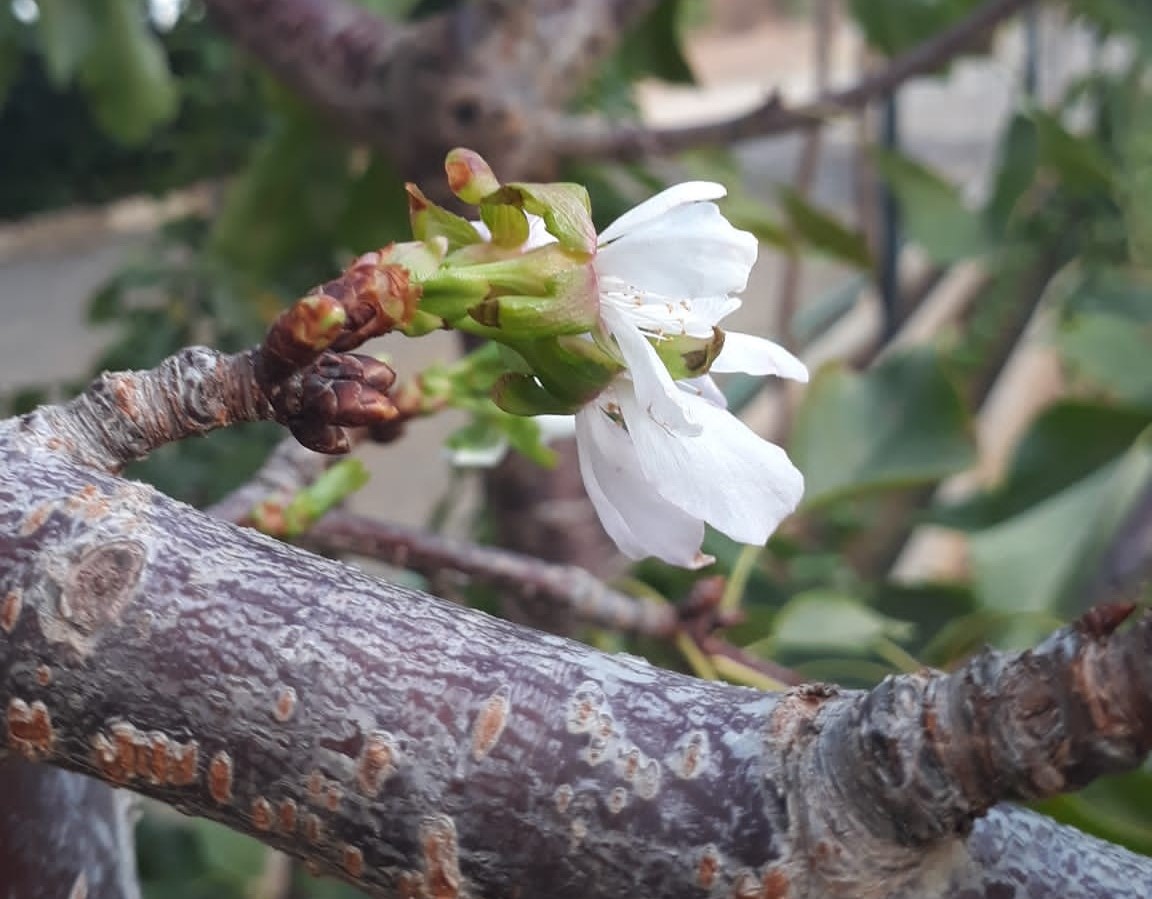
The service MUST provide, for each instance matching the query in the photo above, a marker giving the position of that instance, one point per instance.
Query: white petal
(657, 393)
(555, 427)
(653, 207)
(705, 387)
(736, 481)
(665, 317)
(479, 456)
(757, 356)
(482, 229)
(689, 251)
(637, 519)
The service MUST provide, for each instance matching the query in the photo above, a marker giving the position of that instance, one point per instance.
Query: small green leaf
(1078, 160)
(934, 215)
(825, 621)
(824, 233)
(66, 33)
(1040, 560)
(899, 424)
(565, 208)
(1111, 355)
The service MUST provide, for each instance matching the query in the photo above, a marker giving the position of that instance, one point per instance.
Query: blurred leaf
(934, 215)
(377, 210)
(901, 423)
(894, 25)
(1015, 172)
(11, 50)
(817, 315)
(280, 212)
(1052, 456)
(1123, 292)
(654, 47)
(1039, 560)
(65, 31)
(823, 232)
(126, 73)
(1112, 355)
(824, 621)
(1078, 160)
(238, 857)
(1136, 176)
(1112, 808)
(1132, 20)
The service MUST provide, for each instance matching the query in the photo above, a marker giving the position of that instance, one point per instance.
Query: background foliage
(99, 102)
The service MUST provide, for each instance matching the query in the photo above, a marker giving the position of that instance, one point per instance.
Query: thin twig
(589, 599)
(589, 139)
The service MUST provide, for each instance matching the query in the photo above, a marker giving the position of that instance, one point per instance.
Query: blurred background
(956, 236)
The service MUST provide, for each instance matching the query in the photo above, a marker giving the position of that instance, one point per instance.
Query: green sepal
(571, 307)
(689, 357)
(565, 208)
(422, 323)
(421, 258)
(571, 368)
(520, 394)
(430, 221)
(508, 224)
(449, 295)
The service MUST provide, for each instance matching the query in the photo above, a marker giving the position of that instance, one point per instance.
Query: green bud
(422, 323)
(469, 176)
(571, 306)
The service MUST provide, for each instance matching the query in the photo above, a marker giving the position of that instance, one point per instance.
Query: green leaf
(894, 25)
(1015, 173)
(1117, 809)
(1040, 560)
(815, 316)
(900, 424)
(1052, 456)
(1135, 196)
(824, 232)
(66, 33)
(826, 621)
(126, 74)
(377, 210)
(229, 853)
(11, 50)
(1111, 355)
(1078, 160)
(1122, 292)
(654, 48)
(934, 215)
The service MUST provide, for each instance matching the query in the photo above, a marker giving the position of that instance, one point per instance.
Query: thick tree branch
(418, 748)
(599, 139)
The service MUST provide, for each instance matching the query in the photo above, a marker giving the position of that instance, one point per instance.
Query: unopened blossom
(660, 457)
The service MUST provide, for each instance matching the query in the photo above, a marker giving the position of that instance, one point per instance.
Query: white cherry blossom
(660, 458)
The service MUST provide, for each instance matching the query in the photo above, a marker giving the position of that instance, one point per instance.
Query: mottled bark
(421, 749)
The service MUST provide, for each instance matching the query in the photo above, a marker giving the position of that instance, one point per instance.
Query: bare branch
(585, 596)
(590, 138)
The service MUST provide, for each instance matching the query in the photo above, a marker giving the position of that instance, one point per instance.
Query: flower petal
(735, 480)
(664, 317)
(638, 520)
(653, 207)
(538, 235)
(689, 251)
(705, 387)
(657, 393)
(757, 356)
